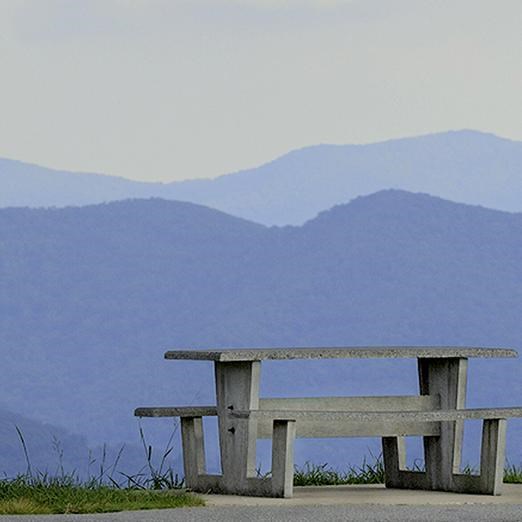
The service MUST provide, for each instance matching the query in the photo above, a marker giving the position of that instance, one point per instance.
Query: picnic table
(437, 414)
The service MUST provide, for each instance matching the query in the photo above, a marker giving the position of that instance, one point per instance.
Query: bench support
(443, 454)
(489, 482)
(192, 441)
(493, 455)
(394, 458)
(196, 478)
(445, 378)
(283, 458)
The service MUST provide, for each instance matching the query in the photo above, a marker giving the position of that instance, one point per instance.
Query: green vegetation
(322, 475)
(153, 487)
(372, 473)
(44, 495)
(513, 474)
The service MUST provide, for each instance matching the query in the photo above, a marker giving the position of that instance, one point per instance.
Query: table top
(353, 352)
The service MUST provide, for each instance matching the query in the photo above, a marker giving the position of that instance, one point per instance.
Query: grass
(41, 494)
(322, 475)
(44, 495)
(513, 474)
(372, 472)
(154, 487)
(106, 491)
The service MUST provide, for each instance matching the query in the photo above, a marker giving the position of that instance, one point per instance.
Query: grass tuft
(104, 491)
(513, 474)
(44, 495)
(153, 487)
(322, 475)
(372, 472)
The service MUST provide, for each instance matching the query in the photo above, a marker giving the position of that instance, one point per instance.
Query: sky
(165, 90)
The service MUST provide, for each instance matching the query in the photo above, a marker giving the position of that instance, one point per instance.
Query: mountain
(91, 297)
(36, 447)
(464, 166)
(27, 185)
(43, 442)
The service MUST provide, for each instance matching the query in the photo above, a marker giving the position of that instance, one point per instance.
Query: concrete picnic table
(243, 417)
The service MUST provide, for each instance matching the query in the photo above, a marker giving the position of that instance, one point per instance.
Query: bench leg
(489, 482)
(394, 459)
(283, 458)
(442, 454)
(192, 441)
(492, 455)
(445, 378)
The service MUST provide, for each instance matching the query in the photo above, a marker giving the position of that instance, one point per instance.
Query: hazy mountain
(52, 449)
(464, 166)
(27, 185)
(91, 297)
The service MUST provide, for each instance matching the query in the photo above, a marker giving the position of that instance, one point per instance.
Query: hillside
(464, 166)
(91, 297)
(52, 449)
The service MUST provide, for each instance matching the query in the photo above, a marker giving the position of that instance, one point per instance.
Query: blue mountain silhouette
(91, 297)
(464, 166)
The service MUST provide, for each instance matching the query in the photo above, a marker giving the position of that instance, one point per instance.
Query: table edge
(355, 352)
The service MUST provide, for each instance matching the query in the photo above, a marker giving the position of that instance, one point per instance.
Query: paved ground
(327, 504)
(351, 513)
(377, 495)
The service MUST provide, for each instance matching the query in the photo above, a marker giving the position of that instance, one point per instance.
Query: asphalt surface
(351, 513)
(326, 504)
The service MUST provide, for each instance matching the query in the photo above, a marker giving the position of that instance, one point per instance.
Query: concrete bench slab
(388, 416)
(363, 352)
(176, 411)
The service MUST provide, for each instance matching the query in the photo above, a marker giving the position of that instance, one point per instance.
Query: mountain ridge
(463, 166)
(91, 297)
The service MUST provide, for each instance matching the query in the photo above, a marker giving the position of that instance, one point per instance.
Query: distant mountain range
(91, 297)
(463, 166)
(54, 450)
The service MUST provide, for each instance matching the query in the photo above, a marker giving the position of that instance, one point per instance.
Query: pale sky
(172, 89)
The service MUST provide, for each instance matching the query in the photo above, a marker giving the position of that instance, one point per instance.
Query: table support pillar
(442, 454)
(237, 388)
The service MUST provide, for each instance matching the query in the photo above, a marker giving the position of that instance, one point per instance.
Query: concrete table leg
(237, 388)
(447, 378)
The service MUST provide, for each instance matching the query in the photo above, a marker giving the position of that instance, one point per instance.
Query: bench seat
(388, 416)
(176, 411)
